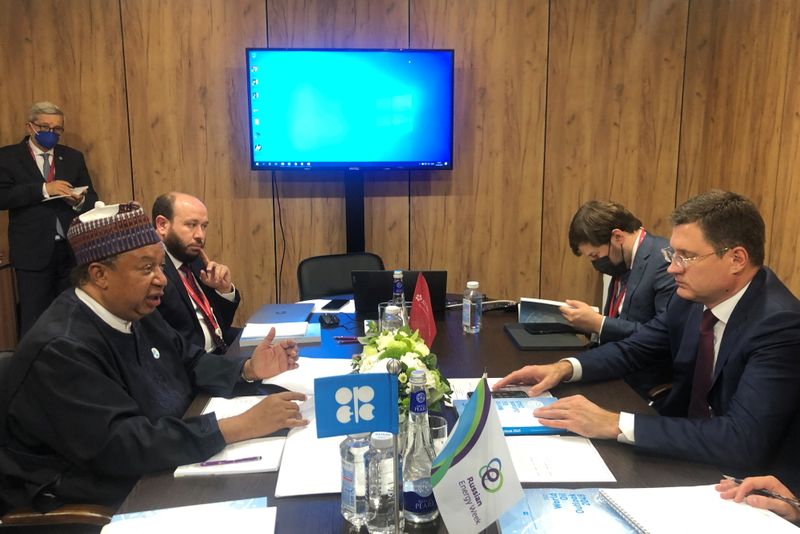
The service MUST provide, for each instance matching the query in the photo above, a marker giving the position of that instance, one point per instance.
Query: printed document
(557, 459)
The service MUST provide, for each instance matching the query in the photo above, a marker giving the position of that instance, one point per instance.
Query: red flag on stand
(421, 312)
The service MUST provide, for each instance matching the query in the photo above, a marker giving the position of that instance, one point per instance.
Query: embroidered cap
(106, 231)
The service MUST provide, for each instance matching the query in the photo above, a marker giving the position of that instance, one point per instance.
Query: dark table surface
(460, 356)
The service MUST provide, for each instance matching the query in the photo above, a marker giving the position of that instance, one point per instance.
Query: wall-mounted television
(350, 109)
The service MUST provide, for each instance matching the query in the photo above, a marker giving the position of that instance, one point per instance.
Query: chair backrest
(324, 276)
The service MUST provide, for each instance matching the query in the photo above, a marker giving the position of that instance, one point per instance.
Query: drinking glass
(390, 317)
(438, 426)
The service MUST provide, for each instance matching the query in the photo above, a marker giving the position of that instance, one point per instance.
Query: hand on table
(743, 492)
(541, 377)
(577, 414)
(275, 412)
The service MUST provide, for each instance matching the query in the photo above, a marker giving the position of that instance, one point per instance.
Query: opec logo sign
(355, 404)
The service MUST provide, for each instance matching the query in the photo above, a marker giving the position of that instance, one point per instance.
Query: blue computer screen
(332, 108)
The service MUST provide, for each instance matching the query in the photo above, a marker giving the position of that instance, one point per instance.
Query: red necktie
(202, 303)
(703, 368)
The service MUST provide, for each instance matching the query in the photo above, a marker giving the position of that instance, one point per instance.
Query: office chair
(324, 276)
(67, 519)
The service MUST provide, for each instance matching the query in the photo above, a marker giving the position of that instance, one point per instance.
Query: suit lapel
(736, 322)
(176, 280)
(27, 162)
(639, 263)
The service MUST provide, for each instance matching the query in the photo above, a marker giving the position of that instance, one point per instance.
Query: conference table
(460, 356)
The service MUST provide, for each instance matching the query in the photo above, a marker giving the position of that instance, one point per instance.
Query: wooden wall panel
(313, 205)
(481, 221)
(613, 112)
(186, 80)
(739, 119)
(784, 254)
(71, 54)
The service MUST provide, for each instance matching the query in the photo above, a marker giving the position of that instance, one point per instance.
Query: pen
(346, 338)
(347, 341)
(767, 493)
(226, 462)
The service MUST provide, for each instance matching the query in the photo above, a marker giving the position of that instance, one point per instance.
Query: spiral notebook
(690, 509)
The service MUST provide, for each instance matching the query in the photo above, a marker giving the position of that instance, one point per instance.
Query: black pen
(226, 462)
(767, 493)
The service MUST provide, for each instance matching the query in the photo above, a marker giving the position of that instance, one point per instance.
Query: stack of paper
(690, 509)
(308, 369)
(516, 415)
(310, 465)
(246, 515)
(557, 459)
(302, 332)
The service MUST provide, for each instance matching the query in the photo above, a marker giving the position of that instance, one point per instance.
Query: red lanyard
(618, 293)
(52, 173)
(199, 298)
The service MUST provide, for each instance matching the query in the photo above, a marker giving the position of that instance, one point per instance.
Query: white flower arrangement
(412, 353)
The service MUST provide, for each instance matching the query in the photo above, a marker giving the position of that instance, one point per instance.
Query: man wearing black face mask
(617, 245)
(44, 185)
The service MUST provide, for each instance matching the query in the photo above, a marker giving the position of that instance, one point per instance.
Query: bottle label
(418, 504)
(466, 308)
(397, 286)
(418, 402)
(348, 487)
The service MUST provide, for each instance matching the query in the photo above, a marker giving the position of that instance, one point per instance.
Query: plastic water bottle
(472, 308)
(382, 486)
(418, 455)
(354, 478)
(398, 297)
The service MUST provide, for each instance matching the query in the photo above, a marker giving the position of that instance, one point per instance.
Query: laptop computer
(370, 288)
(282, 313)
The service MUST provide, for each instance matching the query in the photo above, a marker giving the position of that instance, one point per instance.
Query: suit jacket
(756, 384)
(31, 222)
(177, 309)
(649, 289)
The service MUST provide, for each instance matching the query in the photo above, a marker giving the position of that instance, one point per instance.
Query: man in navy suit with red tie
(617, 244)
(39, 186)
(200, 299)
(732, 335)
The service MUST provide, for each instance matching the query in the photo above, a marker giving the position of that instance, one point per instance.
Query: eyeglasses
(683, 262)
(55, 129)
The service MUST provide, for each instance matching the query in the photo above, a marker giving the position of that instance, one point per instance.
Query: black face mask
(606, 266)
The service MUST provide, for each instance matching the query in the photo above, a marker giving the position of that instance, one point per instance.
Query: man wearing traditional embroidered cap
(94, 395)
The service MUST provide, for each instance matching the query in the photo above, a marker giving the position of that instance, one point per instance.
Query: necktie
(200, 299)
(619, 286)
(46, 173)
(46, 166)
(703, 368)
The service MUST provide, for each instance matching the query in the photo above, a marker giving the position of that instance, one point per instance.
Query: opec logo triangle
(351, 404)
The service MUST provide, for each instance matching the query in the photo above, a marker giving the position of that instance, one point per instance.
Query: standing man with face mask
(43, 185)
(616, 243)
(200, 300)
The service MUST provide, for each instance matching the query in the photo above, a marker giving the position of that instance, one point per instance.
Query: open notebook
(691, 509)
